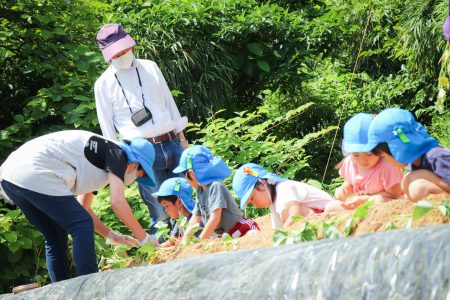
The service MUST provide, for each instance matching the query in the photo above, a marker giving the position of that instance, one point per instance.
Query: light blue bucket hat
(355, 133)
(245, 179)
(177, 187)
(142, 152)
(407, 139)
(207, 168)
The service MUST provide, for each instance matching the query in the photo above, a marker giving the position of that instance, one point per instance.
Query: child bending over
(215, 204)
(285, 198)
(401, 140)
(367, 176)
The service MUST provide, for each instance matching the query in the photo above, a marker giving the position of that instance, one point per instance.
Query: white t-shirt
(64, 163)
(289, 191)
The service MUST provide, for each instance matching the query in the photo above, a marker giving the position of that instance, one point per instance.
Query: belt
(162, 138)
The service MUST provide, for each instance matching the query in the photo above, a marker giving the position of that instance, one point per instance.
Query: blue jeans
(167, 157)
(55, 217)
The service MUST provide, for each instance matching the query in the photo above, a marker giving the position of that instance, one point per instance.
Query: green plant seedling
(280, 237)
(421, 209)
(362, 210)
(330, 231)
(444, 208)
(389, 226)
(297, 218)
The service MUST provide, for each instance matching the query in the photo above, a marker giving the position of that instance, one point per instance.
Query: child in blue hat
(366, 176)
(215, 204)
(175, 195)
(401, 140)
(286, 198)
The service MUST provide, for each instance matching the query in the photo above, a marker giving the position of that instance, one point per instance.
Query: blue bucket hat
(177, 187)
(245, 179)
(407, 139)
(355, 133)
(142, 152)
(207, 168)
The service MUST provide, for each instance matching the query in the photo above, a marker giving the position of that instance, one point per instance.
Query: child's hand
(344, 191)
(339, 194)
(354, 202)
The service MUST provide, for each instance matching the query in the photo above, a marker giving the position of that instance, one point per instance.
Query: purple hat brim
(116, 47)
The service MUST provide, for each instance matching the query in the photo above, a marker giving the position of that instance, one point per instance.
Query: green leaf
(330, 231)
(421, 209)
(362, 210)
(10, 236)
(255, 49)
(19, 118)
(349, 227)
(444, 208)
(147, 248)
(280, 237)
(263, 65)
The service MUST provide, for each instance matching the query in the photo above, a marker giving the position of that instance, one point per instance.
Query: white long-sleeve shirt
(113, 111)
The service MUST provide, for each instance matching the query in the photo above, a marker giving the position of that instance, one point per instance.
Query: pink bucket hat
(112, 39)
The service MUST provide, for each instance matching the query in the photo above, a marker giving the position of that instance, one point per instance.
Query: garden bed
(380, 217)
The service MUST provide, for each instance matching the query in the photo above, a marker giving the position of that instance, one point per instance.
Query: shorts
(242, 227)
(316, 211)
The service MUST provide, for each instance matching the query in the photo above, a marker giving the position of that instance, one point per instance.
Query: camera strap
(123, 92)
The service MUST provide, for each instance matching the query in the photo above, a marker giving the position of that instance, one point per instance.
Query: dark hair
(380, 148)
(186, 174)
(171, 198)
(271, 187)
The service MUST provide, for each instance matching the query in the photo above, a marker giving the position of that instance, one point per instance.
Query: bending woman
(44, 175)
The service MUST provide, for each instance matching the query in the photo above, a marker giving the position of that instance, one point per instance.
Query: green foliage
(421, 209)
(247, 137)
(306, 233)
(48, 68)
(21, 249)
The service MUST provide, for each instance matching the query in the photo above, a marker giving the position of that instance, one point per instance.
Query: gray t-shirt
(217, 196)
(71, 162)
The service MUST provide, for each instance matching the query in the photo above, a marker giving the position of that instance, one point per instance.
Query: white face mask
(130, 178)
(123, 62)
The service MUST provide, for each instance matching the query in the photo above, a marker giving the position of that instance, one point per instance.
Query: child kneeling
(401, 140)
(215, 204)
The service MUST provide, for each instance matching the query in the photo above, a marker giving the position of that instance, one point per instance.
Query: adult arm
(211, 225)
(121, 207)
(112, 237)
(86, 201)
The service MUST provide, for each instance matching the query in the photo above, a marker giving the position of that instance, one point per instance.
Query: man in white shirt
(133, 99)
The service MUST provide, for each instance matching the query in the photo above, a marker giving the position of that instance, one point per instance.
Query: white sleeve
(168, 98)
(104, 112)
(287, 191)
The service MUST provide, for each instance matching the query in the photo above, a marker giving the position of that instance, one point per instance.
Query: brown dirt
(397, 211)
